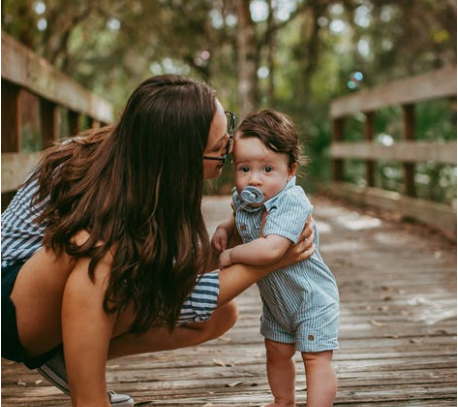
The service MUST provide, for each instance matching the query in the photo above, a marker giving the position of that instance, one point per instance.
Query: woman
(103, 245)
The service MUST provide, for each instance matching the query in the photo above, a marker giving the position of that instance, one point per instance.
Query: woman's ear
(292, 170)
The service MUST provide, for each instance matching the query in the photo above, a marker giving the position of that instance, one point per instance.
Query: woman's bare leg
(160, 339)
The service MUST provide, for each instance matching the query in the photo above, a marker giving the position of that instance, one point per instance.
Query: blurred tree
(247, 58)
(107, 43)
(293, 55)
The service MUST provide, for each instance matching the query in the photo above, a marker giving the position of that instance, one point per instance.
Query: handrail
(25, 71)
(433, 85)
(406, 93)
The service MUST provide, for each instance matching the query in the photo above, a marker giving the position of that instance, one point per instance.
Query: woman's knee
(223, 319)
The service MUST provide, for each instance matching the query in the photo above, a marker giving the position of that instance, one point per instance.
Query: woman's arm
(238, 277)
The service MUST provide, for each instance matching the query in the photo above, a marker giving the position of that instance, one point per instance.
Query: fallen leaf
(376, 323)
(219, 362)
(233, 384)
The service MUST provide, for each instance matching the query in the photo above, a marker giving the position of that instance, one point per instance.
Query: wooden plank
(15, 168)
(433, 85)
(26, 69)
(434, 214)
(413, 151)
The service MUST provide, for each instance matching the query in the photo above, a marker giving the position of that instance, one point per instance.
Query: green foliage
(309, 49)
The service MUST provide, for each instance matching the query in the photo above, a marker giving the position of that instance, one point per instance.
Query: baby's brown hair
(276, 131)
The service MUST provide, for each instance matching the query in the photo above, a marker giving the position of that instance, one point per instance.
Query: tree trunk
(271, 53)
(247, 63)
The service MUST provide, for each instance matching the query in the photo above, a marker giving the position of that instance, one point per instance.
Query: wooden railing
(24, 71)
(405, 93)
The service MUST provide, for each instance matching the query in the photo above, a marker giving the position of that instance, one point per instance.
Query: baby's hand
(219, 240)
(225, 259)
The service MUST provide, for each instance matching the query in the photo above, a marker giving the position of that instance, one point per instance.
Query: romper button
(242, 227)
(311, 337)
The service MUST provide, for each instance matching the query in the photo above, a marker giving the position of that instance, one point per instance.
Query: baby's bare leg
(281, 373)
(321, 379)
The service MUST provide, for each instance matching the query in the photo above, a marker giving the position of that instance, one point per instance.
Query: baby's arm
(222, 235)
(261, 251)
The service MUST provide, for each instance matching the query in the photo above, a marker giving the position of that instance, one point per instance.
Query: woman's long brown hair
(136, 187)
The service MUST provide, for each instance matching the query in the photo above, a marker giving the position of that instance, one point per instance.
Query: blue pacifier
(251, 195)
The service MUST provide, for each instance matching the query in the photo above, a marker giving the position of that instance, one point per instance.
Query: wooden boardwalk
(398, 330)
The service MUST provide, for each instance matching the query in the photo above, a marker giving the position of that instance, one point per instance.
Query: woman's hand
(303, 249)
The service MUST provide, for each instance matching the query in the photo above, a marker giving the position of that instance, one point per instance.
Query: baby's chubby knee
(324, 357)
(279, 350)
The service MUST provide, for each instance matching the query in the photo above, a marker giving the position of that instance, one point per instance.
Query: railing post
(408, 118)
(49, 122)
(73, 122)
(11, 140)
(337, 135)
(11, 128)
(369, 136)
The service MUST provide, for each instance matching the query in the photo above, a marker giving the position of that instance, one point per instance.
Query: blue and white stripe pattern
(203, 300)
(300, 302)
(21, 238)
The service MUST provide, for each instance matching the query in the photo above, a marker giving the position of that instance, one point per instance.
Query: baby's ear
(292, 170)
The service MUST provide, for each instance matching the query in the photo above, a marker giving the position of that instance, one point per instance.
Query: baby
(301, 302)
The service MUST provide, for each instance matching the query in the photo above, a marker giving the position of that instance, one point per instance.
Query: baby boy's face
(258, 166)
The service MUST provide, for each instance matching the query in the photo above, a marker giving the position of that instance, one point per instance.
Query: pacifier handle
(251, 195)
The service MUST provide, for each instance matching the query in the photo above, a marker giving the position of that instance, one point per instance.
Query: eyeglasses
(230, 130)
